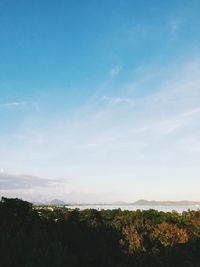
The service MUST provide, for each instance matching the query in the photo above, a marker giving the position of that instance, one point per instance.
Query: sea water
(135, 207)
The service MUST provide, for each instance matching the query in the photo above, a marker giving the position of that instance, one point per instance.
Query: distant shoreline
(141, 203)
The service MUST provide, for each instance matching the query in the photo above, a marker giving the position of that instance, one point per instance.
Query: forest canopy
(31, 236)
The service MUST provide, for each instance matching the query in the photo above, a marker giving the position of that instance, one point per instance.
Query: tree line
(31, 237)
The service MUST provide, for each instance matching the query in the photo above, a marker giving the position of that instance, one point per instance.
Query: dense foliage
(40, 237)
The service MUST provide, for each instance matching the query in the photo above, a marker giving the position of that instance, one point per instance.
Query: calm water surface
(134, 207)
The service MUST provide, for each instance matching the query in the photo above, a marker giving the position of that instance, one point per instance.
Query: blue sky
(100, 100)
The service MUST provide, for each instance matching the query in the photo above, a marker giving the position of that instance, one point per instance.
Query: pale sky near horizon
(100, 100)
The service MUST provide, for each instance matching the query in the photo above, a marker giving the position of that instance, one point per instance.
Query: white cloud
(24, 181)
(1, 170)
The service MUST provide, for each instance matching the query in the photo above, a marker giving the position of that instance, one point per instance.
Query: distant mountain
(56, 202)
(143, 202)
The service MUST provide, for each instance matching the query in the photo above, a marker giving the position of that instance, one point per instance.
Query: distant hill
(143, 202)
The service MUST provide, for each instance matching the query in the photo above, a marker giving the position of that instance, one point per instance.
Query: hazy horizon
(100, 100)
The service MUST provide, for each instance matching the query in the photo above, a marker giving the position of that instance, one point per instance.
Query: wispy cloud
(118, 100)
(175, 122)
(12, 104)
(189, 144)
(175, 25)
(115, 71)
(121, 144)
